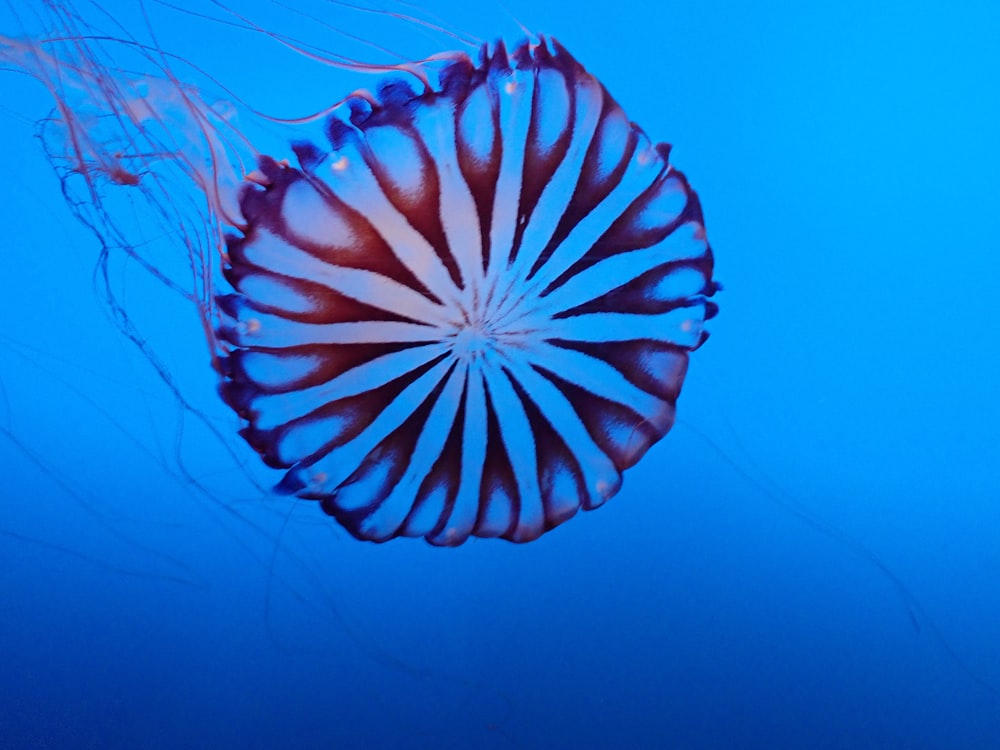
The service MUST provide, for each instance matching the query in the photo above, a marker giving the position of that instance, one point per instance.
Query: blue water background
(847, 157)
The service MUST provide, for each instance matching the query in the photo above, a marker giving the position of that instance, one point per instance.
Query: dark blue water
(809, 561)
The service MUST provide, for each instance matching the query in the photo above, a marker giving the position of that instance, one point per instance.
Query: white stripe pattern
(474, 310)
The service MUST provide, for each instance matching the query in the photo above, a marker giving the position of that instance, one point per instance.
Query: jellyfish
(463, 311)
(469, 311)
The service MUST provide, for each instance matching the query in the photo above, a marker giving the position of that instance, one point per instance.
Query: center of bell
(471, 341)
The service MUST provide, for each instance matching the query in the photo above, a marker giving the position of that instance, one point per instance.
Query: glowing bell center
(474, 339)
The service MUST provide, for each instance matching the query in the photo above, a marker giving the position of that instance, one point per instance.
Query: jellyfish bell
(464, 310)
(471, 311)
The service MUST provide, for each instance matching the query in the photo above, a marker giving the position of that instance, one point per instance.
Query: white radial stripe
(556, 196)
(276, 332)
(365, 377)
(643, 169)
(389, 516)
(352, 181)
(681, 327)
(680, 284)
(427, 515)
(277, 291)
(279, 369)
(459, 216)
(553, 108)
(314, 218)
(664, 203)
(397, 153)
(612, 136)
(273, 253)
(611, 273)
(465, 511)
(475, 124)
(515, 93)
(596, 376)
(305, 439)
(496, 515)
(599, 473)
(515, 431)
(326, 474)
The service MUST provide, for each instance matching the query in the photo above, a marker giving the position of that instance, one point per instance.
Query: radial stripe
(556, 196)
(460, 221)
(385, 520)
(596, 376)
(272, 253)
(352, 181)
(600, 476)
(514, 91)
(681, 327)
(642, 171)
(369, 376)
(519, 443)
(618, 270)
(258, 329)
(325, 474)
(465, 512)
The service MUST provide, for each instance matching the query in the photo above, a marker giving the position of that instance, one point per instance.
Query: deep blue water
(846, 156)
